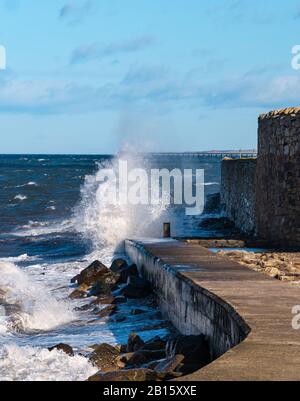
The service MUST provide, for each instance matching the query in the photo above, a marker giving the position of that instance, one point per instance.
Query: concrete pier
(247, 316)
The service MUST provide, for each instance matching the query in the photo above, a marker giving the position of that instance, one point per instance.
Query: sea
(55, 221)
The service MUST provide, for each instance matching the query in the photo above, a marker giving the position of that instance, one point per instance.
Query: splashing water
(108, 224)
(37, 364)
(28, 306)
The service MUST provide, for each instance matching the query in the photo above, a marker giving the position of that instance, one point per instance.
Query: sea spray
(37, 364)
(28, 305)
(108, 224)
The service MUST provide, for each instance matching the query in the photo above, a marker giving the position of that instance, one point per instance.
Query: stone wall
(278, 177)
(238, 192)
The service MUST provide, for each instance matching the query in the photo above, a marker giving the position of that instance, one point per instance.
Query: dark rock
(195, 350)
(103, 300)
(136, 288)
(100, 289)
(141, 357)
(118, 265)
(127, 272)
(155, 344)
(74, 279)
(213, 203)
(94, 273)
(107, 311)
(134, 343)
(78, 294)
(128, 375)
(104, 357)
(67, 349)
(170, 365)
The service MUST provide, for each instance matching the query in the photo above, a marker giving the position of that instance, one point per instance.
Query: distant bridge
(221, 154)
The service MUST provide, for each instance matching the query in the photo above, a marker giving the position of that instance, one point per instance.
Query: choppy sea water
(54, 221)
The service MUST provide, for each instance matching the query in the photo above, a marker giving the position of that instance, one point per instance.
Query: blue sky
(95, 76)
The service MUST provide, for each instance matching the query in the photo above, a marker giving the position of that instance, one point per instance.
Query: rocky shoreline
(157, 359)
(284, 266)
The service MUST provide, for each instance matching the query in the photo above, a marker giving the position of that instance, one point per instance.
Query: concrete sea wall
(191, 308)
(238, 191)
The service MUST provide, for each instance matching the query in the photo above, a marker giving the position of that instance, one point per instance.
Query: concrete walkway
(272, 349)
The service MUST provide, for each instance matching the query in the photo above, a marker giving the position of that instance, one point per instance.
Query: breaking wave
(108, 224)
(28, 306)
(37, 364)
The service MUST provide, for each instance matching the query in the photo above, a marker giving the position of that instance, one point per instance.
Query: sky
(98, 76)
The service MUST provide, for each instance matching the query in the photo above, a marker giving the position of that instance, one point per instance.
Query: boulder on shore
(109, 310)
(195, 350)
(141, 357)
(136, 375)
(155, 344)
(96, 272)
(67, 349)
(126, 273)
(169, 365)
(104, 357)
(118, 265)
(134, 343)
(136, 288)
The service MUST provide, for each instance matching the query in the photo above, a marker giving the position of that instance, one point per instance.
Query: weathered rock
(134, 343)
(195, 350)
(118, 265)
(141, 357)
(136, 288)
(155, 344)
(273, 272)
(78, 294)
(94, 273)
(107, 311)
(128, 375)
(67, 349)
(105, 357)
(100, 289)
(126, 272)
(104, 300)
(170, 365)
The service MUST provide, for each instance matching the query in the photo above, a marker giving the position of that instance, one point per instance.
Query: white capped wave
(29, 306)
(20, 258)
(36, 228)
(20, 197)
(28, 184)
(109, 224)
(37, 364)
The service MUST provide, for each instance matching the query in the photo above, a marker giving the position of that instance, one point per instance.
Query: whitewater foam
(20, 197)
(29, 306)
(37, 364)
(108, 224)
